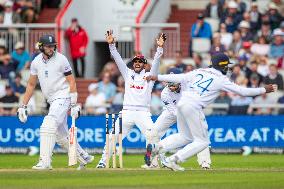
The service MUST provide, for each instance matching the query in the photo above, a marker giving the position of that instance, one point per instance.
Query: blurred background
(250, 32)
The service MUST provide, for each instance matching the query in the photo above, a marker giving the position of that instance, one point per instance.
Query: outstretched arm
(175, 78)
(156, 63)
(116, 56)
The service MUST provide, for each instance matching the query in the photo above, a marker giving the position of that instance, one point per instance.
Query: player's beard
(138, 70)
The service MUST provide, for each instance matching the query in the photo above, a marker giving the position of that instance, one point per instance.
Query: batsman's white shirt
(203, 86)
(51, 76)
(137, 90)
(170, 99)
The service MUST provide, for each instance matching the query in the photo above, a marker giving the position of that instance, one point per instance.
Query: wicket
(113, 142)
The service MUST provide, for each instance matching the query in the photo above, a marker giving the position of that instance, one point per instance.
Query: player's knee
(48, 126)
(152, 135)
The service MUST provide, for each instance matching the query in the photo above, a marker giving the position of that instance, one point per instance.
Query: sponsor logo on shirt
(132, 86)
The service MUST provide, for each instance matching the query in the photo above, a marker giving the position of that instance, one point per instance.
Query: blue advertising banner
(224, 132)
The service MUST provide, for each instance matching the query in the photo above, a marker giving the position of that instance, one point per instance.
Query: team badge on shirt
(46, 73)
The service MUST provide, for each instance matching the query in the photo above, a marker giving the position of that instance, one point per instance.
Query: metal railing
(27, 33)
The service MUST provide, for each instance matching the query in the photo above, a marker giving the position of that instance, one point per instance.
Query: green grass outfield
(228, 171)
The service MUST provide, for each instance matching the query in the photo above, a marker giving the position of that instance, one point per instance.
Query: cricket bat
(72, 151)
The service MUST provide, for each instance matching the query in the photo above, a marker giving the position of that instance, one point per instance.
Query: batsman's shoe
(204, 165)
(101, 165)
(88, 160)
(172, 165)
(41, 166)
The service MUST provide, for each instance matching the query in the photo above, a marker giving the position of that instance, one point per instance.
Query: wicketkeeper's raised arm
(156, 62)
(116, 56)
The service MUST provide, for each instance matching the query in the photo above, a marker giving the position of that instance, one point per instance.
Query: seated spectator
(261, 47)
(253, 71)
(265, 31)
(21, 56)
(178, 61)
(112, 68)
(226, 37)
(222, 99)
(27, 10)
(242, 7)
(245, 50)
(254, 81)
(96, 101)
(17, 87)
(275, 17)
(239, 104)
(7, 67)
(3, 50)
(214, 9)
(8, 16)
(236, 72)
(231, 16)
(117, 102)
(243, 60)
(263, 67)
(255, 18)
(263, 99)
(107, 87)
(244, 28)
(282, 26)
(277, 47)
(217, 47)
(280, 6)
(198, 61)
(201, 28)
(36, 52)
(236, 44)
(274, 77)
(189, 68)
(9, 98)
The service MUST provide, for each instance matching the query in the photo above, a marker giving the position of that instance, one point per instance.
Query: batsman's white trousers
(58, 111)
(130, 118)
(192, 132)
(165, 121)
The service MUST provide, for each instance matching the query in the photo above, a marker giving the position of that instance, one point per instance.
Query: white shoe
(204, 165)
(101, 165)
(88, 160)
(40, 166)
(172, 165)
(145, 166)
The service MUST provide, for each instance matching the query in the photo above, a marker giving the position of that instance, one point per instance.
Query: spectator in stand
(216, 46)
(236, 44)
(226, 37)
(26, 9)
(244, 28)
(96, 101)
(178, 61)
(265, 31)
(255, 18)
(260, 47)
(253, 72)
(107, 87)
(17, 86)
(242, 7)
(189, 68)
(280, 6)
(214, 9)
(231, 17)
(21, 56)
(36, 52)
(112, 68)
(243, 60)
(117, 102)
(3, 50)
(201, 28)
(222, 99)
(9, 98)
(236, 72)
(274, 77)
(8, 16)
(263, 99)
(275, 17)
(78, 41)
(245, 51)
(198, 61)
(240, 104)
(282, 26)
(263, 67)
(253, 81)
(277, 47)
(7, 68)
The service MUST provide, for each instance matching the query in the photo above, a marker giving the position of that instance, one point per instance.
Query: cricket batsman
(137, 97)
(170, 97)
(58, 86)
(202, 88)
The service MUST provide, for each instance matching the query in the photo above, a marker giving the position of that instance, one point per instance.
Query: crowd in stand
(254, 41)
